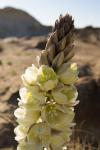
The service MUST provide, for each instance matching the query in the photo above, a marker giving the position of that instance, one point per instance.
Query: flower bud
(58, 60)
(65, 95)
(68, 73)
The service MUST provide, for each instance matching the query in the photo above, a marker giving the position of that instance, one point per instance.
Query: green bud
(68, 73)
(65, 95)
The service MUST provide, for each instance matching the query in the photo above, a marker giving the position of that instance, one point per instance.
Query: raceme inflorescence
(46, 105)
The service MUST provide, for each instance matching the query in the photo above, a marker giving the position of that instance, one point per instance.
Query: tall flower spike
(47, 100)
(59, 47)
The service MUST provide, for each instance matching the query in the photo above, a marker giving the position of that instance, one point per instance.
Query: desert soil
(15, 56)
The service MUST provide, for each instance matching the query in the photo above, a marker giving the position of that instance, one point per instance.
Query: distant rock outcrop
(15, 22)
(88, 34)
(18, 23)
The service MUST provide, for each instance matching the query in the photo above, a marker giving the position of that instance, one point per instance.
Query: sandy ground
(18, 54)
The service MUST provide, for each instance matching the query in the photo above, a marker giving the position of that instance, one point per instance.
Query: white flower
(27, 116)
(32, 95)
(45, 77)
(21, 132)
(23, 95)
(30, 75)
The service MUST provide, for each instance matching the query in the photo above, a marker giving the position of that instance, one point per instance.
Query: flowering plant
(46, 105)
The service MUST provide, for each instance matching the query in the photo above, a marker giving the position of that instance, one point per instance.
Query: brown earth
(17, 54)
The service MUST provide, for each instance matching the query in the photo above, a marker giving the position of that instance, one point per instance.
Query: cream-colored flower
(27, 116)
(38, 95)
(23, 92)
(32, 95)
(21, 132)
(65, 95)
(40, 132)
(47, 78)
(68, 73)
(58, 117)
(30, 75)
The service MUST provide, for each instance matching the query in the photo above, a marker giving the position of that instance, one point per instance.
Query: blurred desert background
(22, 37)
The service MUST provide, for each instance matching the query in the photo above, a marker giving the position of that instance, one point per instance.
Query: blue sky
(84, 12)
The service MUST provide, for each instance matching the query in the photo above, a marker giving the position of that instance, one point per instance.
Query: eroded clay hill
(15, 22)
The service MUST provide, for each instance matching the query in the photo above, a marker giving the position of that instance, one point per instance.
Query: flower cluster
(45, 112)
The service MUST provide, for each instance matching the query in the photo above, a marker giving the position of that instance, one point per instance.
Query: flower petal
(56, 117)
(30, 75)
(27, 117)
(21, 132)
